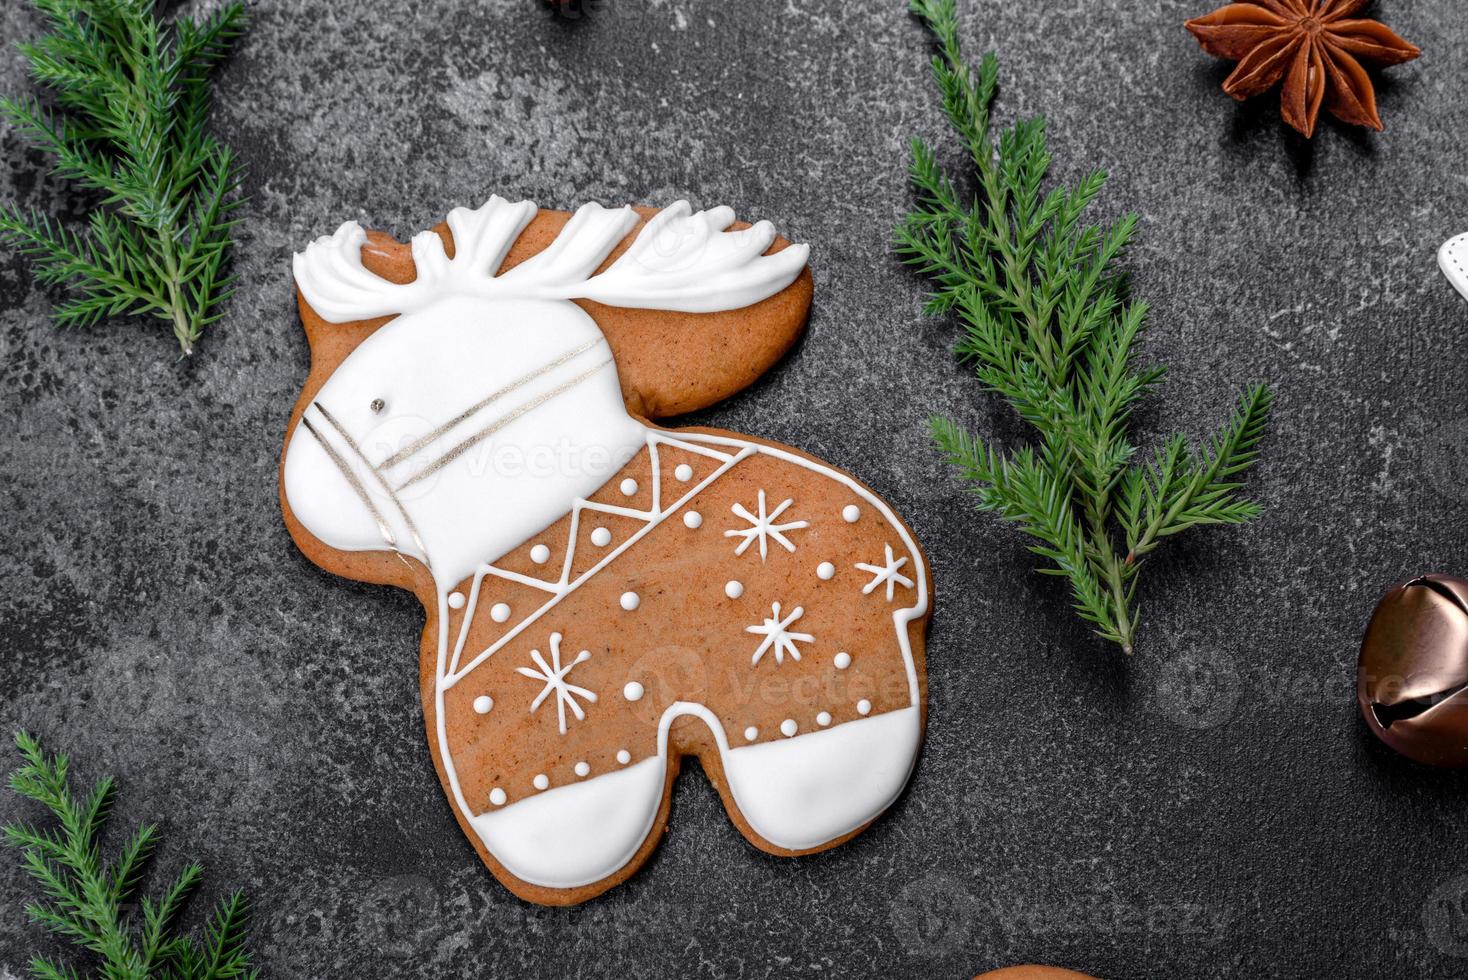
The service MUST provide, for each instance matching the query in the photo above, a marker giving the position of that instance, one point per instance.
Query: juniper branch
(1049, 326)
(89, 899)
(132, 101)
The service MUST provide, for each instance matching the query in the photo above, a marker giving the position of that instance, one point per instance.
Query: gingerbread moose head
(604, 596)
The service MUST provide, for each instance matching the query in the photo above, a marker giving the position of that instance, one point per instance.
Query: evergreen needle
(129, 123)
(93, 902)
(1048, 325)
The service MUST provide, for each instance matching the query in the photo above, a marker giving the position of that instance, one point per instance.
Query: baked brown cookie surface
(604, 597)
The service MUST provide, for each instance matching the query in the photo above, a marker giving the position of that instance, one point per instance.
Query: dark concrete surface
(1210, 808)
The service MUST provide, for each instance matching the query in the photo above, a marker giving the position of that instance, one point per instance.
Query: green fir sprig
(1049, 326)
(130, 122)
(93, 902)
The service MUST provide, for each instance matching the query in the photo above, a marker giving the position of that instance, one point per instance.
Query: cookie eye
(377, 406)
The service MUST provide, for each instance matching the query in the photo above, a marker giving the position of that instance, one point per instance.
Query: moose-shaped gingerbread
(604, 596)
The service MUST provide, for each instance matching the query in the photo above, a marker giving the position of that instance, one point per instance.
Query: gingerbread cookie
(604, 597)
(1032, 972)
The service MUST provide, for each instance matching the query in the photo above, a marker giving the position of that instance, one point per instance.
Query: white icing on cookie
(578, 833)
(474, 405)
(803, 792)
(797, 793)
(394, 454)
(777, 635)
(553, 675)
(468, 424)
(630, 601)
(825, 571)
(733, 588)
(851, 513)
(681, 260)
(844, 797)
(828, 794)
(886, 573)
(762, 527)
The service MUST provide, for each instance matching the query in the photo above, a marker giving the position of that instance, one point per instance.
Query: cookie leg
(576, 834)
(804, 792)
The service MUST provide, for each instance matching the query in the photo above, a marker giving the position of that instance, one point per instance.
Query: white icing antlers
(681, 260)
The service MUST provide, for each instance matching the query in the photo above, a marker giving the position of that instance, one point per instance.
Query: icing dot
(456, 600)
(632, 691)
(823, 719)
(851, 513)
(843, 660)
(751, 733)
(629, 487)
(631, 600)
(683, 472)
(623, 756)
(863, 707)
(583, 770)
(601, 537)
(788, 727)
(733, 588)
(540, 554)
(541, 781)
(499, 612)
(825, 571)
(497, 796)
(483, 703)
(693, 519)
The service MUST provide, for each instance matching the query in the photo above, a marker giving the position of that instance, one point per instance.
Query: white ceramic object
(1452, 258)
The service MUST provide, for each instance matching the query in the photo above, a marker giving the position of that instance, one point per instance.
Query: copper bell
(1413, 671)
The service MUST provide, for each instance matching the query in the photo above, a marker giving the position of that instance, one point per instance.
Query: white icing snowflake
(885, 573)
(774, 631)
(763, 527)
(554, 677)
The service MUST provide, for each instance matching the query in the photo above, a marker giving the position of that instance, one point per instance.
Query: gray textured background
(1212, 808)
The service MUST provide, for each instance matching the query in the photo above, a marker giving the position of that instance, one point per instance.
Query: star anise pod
(1314, 45)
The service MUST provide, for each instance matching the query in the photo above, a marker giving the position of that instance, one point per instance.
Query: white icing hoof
(575, 834)
(802, 792)
(1452, 258)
